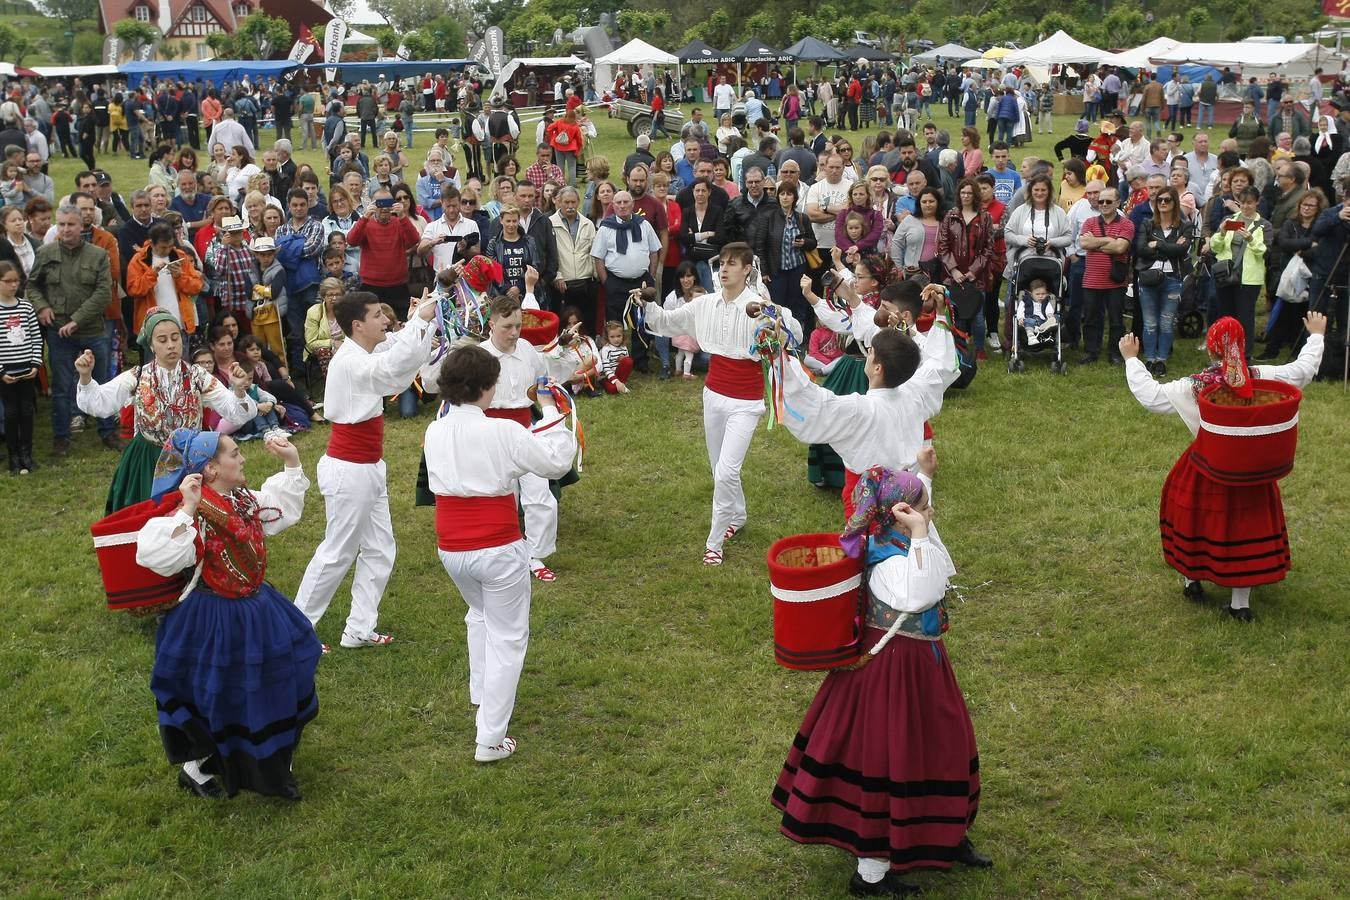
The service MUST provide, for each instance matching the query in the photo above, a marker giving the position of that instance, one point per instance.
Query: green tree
(71, 12)
(13, 46)
(135, 35)
(714, 30)
(170, 51)
(441, 38)
(642, 23)
(1195, 20)
(761, 25)
(221, 44)
(259, 36)
(87, 48)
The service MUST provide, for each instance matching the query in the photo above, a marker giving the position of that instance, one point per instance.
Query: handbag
(813, 259)
(1151, 278)
(1120, 263)
(266, 326)
(966, 301)
(1293, 284)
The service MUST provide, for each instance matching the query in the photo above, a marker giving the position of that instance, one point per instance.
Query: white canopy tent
(1141, 57)
(73, 71)
(946, 51)
(1253, 58)
(980, 63)
(1057, 48)
(636, 52)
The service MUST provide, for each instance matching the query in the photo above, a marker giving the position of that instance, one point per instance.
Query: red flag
(307, 36)
(1336, 9)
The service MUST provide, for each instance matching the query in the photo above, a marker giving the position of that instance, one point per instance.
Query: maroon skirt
(1232, 536)
(885, 765)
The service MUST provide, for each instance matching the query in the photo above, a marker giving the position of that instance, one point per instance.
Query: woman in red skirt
(884, 766)
(1232, 535)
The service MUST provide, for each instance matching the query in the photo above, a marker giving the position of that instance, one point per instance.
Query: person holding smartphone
(1239, 247)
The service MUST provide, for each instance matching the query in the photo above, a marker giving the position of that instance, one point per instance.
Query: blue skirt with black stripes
(234, 684)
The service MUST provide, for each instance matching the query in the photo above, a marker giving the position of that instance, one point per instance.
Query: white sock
(1189, 581)
(536, 564)
(193, 768)
(873, 870)
(1242, 598)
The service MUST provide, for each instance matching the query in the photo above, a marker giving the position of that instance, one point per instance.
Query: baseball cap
(102, 178)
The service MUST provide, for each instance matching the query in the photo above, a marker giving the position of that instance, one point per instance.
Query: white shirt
(37, 142)
(883, 427)
(359, 381)
(720, 326)
(1080, 212)
(164, 553)
(107, 399)
(443, 255)
(166, 295)
(471, 455)
(637, 259)
(230, 133)
(236, 180)
(1179, 396)
(724, 96)
(836, 196)
(520, 369)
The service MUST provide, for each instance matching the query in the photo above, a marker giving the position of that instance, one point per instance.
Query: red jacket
(855, 91)
(384, 249)
(963, 247)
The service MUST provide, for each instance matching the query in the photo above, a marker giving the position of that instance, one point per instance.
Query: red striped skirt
(885, 764)
(1229, 535)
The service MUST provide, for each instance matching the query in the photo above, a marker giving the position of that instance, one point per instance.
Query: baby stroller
(1028, 269)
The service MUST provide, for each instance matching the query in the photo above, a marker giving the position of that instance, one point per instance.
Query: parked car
(639, 117)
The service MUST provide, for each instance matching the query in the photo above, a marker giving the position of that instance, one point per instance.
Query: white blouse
(165, 545)
(107, 399)
(913, 583)
(1179, 396)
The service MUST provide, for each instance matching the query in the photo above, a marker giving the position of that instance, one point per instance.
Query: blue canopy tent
(212, 71)
(394, 68)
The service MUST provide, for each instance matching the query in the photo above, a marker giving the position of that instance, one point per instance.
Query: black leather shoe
(290, 791)
(1087, 359)
(890, 886)
(967, 855)
(1194, 592)
(210, 791)
(1242, 615)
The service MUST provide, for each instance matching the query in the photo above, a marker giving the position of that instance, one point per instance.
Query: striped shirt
(20, 337)
(1097, 269)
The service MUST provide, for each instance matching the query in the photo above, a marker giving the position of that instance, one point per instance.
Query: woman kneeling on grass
(234, 662)
(884, 766)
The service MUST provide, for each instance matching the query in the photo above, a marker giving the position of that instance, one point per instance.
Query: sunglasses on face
(1106, 202)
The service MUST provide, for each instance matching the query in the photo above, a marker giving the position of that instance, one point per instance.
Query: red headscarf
(481, 272)
(1227, 342)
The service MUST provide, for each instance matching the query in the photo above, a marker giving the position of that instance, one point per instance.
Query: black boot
(1195, 592)
(967, 855)
(890, 886)
(209, 790)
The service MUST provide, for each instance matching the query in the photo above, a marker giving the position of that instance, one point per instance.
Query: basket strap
(814, 594)
(1248, 430)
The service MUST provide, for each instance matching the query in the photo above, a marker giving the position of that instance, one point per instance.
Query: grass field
(1132, 744)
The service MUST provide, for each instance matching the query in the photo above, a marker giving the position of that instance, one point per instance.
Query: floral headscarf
(185, 453)
(877, 491)
(1226, 341)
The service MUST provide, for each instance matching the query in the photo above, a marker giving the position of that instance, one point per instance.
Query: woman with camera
(1161, 247)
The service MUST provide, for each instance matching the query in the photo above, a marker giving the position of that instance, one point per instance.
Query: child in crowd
(202, 358)
(823, 351)
(574, 361)
(20, 359)
(855, 226)
(1035, 310)
(11, 185)
(615, 364)
(686, 289)
(335, 262)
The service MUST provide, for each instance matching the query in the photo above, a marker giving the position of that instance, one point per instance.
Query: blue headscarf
(185, 453)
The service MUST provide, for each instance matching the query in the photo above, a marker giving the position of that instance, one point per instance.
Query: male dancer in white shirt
(885, 426)
(473, 464)
(351, 473)
(521, 368)
(723, 323)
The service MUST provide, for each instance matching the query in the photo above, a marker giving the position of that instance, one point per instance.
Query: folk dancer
(351, 473)
(234, 662)
(165, 395)
(474, 461)
(885, 765)
(1234, 536)
(733, 396)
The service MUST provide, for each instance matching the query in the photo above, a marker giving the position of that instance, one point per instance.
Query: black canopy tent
(810, 49)
(871, 54)
(698, 52)
(756, 51)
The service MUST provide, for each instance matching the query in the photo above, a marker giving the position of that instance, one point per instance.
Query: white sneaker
(77, 423)
(493, 754)
(991, 342)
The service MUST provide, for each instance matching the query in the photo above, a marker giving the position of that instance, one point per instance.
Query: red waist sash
(739, 379)
(476, 523)
(519, 414)
(362, 442)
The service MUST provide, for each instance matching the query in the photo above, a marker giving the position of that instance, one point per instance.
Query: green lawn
(1132, 744)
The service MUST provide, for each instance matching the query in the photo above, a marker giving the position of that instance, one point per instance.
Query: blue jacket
(1007, 107)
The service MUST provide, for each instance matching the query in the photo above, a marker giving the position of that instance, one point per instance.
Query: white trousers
(728, 427)
(356, 501)
(541, 516)
(495, 583)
